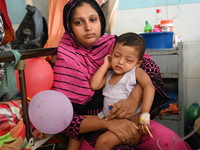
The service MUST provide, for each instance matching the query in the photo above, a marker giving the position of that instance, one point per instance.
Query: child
(118, 76)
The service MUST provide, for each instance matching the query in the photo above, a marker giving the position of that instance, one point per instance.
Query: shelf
(169, 75)
(152, 52)
(171, 64)
(175, 117)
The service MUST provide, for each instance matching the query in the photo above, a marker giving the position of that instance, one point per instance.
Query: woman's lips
(89, 35)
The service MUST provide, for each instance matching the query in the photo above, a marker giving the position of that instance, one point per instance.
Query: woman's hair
(133, 40)
(67, 17)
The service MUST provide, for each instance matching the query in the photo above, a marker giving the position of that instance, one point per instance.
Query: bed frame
(25, 54)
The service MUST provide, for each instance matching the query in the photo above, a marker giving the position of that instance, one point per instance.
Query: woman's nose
(88, 26)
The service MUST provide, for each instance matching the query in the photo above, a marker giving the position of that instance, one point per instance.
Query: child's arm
(99, 78)
(148, 96)
(148, 89)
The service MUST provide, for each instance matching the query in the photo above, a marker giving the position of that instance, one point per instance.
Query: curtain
(55, 22)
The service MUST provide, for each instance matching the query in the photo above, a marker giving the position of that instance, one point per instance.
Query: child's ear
(139, 63)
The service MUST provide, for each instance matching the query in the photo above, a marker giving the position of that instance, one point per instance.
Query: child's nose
(121, 61)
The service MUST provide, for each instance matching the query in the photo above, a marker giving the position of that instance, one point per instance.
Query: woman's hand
(127, 107)
(122, 109)
(125, 130)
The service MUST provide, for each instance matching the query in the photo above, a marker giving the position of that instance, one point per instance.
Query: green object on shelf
(193, 111)
(147, 27)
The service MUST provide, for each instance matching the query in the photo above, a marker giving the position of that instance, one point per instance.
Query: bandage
(145, 118)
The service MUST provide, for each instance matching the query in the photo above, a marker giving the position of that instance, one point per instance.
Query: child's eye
(129, 61)
(116, 55)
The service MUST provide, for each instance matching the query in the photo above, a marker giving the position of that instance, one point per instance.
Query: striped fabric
(12, 128)
(76, 64)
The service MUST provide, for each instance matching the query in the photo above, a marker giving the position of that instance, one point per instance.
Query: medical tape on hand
(145, 118)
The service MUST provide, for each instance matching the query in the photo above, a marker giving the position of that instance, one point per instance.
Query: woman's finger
(132, 134)
(115, 111)
(122, 114)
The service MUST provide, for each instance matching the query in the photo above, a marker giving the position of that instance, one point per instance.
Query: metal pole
(20, 67)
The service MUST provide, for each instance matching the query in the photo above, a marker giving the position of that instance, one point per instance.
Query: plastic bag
(8, 88)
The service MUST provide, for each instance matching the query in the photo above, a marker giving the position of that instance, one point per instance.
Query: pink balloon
(50, 111)
(38, 76)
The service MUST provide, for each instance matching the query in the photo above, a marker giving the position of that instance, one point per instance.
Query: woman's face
(86, 25)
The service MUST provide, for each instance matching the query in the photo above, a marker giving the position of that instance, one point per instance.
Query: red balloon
(38, 76)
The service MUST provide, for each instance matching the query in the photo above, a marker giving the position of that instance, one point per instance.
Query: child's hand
(144, 128)
(144, 125)
(107, 61)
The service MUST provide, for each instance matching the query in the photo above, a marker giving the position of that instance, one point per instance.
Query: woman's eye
(78, 22)
(93, 19)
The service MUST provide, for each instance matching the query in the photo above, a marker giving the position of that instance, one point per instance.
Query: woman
(80, 53)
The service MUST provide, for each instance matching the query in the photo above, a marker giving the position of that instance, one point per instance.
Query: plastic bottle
(193, 111)
(147, 27)
(158, 18)
(105, 112)
(166, 25)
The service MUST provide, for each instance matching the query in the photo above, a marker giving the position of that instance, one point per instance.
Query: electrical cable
(180, 11)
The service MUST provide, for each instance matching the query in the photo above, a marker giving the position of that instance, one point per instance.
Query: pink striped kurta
(76, 64)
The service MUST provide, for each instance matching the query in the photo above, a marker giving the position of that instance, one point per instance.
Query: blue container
(158, 40)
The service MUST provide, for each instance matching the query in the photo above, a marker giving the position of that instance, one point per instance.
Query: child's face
(86, 25)
(124, 58)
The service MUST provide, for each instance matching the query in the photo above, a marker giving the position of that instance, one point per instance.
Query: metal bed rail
(25, 54)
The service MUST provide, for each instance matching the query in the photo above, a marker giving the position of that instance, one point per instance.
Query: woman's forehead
(84, 11)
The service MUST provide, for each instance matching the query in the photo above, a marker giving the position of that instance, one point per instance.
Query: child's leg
(74, 144)
(107, 141)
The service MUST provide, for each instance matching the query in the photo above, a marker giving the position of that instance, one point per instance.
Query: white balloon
(50, 111)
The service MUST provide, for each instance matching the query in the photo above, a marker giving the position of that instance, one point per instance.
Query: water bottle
(105, 112)
(193, 111)
(147, 27)
(158, 18)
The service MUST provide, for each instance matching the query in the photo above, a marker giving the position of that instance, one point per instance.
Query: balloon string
(181, 139)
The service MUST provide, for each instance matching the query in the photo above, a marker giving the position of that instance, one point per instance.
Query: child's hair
(96, 7)
(134, 40)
